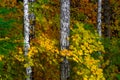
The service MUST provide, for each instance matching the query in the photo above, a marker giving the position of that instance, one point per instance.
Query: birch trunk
(64, 42)
(99, 22)
(26, 36)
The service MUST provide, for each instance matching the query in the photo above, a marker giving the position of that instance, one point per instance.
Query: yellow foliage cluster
(19, 56)
(65, 52)
(83, 44)
(32, 52)
(1, 57)
(48, 46)
(30, 56)
(46, 60)
(6, 38)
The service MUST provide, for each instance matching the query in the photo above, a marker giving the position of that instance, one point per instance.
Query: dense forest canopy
(91, 56)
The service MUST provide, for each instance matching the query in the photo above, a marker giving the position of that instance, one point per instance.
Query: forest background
(85, 43)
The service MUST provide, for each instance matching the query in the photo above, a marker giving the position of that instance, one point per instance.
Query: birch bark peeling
(64, 42)
(26, 36)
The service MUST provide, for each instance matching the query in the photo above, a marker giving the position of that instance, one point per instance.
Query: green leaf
(118, 76)
(1, 67)
(88, 27)
(6, 46)
(4, 11)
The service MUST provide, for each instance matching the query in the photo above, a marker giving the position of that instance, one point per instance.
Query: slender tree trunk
(99, 22)
(64, 42)
(106, 7)
(26, 36)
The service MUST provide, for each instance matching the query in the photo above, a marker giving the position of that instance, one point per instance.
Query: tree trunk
(99, 22)
(106, 14)
(26, 37)
(64, 42)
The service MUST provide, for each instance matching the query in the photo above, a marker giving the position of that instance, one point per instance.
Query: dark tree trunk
(106, 17)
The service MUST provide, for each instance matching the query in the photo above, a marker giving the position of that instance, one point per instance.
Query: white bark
(26, 36)
(99, 22)
(64, 42)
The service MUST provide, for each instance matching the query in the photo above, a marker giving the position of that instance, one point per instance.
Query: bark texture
(26, 37)
(99, 22)
(64, 42)
(106, 15)
(65, 22)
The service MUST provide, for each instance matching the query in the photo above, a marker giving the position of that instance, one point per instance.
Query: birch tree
(99, 21)
(26, 37)
(64, 42)
(99, 18)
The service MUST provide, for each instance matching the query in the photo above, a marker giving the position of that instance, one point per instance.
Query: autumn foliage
(91, 57)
